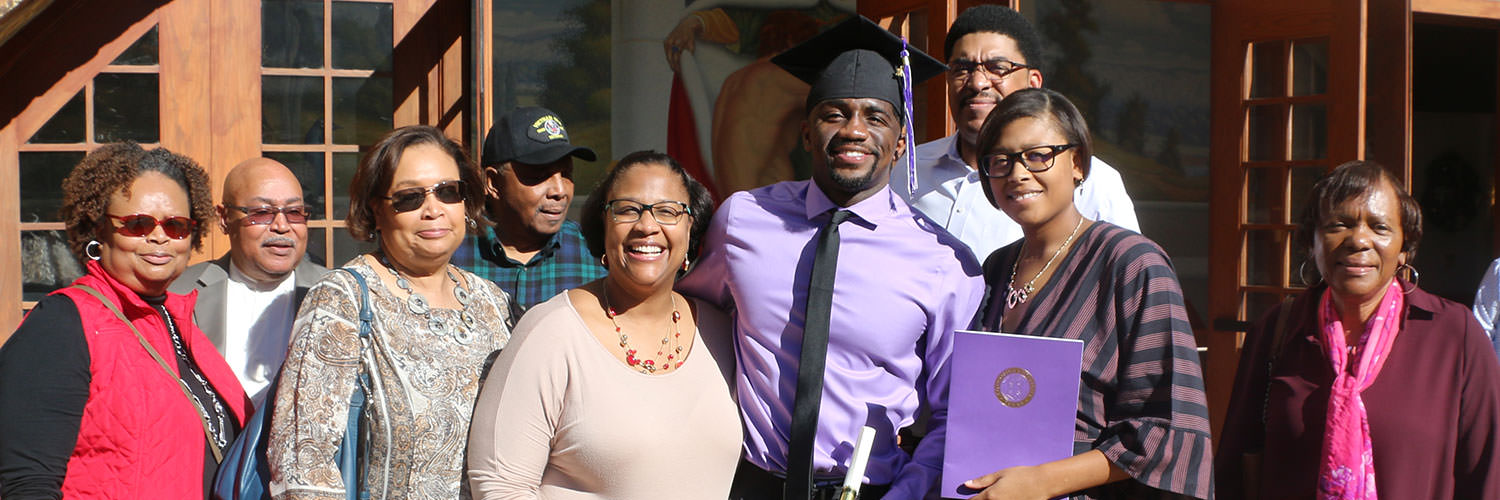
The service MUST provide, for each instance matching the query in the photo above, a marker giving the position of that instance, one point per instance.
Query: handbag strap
(202, 414)
(1278, 341)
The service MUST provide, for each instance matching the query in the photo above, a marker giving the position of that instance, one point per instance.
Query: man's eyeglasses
(261, 215)
(139, 225)
(667, 213)
(961, 70)
(1035, 159)
(409, 199)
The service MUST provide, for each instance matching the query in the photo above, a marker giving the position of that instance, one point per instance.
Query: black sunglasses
(138, 225)
(410, 199)
(261, 215)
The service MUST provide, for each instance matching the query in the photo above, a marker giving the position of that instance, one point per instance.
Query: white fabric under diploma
(257, 328)
(949, 193)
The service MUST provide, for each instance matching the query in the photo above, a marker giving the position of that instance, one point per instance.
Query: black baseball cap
(530, 135)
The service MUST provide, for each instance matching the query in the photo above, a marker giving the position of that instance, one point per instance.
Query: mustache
(278, 240)
(970, 94)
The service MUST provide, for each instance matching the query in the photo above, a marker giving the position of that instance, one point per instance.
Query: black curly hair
(112, 168)
(700, 202)
(997, 19)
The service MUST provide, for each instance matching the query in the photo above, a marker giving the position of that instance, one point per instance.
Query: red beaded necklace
(671, 345)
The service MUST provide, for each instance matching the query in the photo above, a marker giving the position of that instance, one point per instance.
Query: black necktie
(799, 474)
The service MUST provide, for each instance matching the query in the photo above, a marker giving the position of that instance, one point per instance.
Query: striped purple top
(1140, 399)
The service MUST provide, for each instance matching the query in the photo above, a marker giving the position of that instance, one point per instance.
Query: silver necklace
(417, 304)
(1015, 296)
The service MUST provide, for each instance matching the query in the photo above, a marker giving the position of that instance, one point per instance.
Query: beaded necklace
(671, 344)
(417, 304)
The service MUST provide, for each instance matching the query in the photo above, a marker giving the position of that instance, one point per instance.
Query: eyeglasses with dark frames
(1035, 159)
(409, 199)
(667, 213)
(138, 225)
(961, 70)
(266, 214)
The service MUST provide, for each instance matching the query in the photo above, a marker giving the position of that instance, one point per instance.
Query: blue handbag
(245, 473)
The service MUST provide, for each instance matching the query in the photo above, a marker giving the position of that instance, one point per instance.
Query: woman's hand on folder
(1049, 480)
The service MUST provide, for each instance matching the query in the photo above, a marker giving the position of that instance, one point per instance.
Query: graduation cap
(856, 59)
(859, 59)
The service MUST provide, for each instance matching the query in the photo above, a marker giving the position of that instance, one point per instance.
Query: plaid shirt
(564, 262)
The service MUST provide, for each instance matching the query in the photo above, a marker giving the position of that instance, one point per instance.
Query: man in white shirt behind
(248, 297)
(991, 50)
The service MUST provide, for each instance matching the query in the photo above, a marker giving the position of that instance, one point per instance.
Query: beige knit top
(561, 417)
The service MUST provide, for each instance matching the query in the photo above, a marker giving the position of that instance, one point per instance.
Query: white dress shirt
(949, 193)
(257, 328)
(1487, 300)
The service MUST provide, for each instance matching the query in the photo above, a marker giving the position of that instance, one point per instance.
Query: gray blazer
(211, 279)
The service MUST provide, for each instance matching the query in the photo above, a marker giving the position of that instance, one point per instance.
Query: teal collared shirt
(563, 263)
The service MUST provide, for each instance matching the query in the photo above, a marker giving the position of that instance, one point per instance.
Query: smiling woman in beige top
(621, 388)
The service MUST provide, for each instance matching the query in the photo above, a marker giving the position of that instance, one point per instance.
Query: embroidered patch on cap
(546, 129)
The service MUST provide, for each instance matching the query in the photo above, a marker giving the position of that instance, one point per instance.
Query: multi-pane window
(326, 94)
(120, 104)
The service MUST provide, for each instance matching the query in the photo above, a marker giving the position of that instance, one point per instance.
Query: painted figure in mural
(759, 108)
(264, 275)
(992, 51)
(620, 388)
(859, 316)
(415, 194)
(533, 252)
(112, 391)
(1142, 423)
(1364, 382)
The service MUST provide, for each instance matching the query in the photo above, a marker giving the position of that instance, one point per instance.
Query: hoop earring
(603, 262)
(470, 222)
(92, 250)
(1412, 274)
(1302, 275)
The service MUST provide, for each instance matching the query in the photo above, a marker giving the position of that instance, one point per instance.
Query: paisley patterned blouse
(421, 396)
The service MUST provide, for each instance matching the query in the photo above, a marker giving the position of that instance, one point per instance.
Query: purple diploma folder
(1013, 400)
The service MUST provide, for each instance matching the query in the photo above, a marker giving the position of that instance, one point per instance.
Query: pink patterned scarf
(1347, 469)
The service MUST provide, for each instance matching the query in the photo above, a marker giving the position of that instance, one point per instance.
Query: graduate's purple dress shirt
(903, 285)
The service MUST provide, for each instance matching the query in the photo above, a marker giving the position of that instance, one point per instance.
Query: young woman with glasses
(620, 388)
(1142, 421)
(415, 194)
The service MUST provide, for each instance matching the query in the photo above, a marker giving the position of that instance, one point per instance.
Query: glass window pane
(41, 184)
(1257, 304)
(1310, 67)
(1268, 69)
(317, 246)
(1263, 195)
(346, 248)
(291, 33)
(308, 167)
(344, 165)
(142, 52)
(361, 36)
(362, 109)
(1267, 130)
(291, 110)
(126, 107)
(46, 263)
(1264, 252)
(1309, 131)
(66, 126)
(1302, 181)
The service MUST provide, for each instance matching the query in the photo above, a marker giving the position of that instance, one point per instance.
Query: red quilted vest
(140, 437)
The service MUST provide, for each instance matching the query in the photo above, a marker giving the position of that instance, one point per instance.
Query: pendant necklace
(1015, 296)
(671, 344)
(417, 304)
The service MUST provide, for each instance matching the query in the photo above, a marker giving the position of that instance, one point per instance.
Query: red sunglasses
(139, 225)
